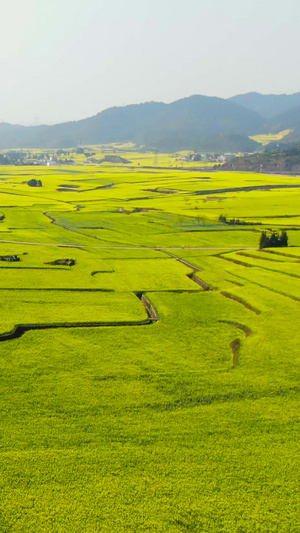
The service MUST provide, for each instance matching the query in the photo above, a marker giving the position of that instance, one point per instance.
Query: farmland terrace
(149, 352)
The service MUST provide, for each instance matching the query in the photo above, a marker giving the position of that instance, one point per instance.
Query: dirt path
(241, 301)
(21, 329)
(243, 328)
(195, 269)
(151, 312)
(124, 247)
(184, 262)
(235, 261)
(200, 282)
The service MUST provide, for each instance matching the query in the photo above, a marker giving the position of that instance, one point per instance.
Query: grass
(148, 428)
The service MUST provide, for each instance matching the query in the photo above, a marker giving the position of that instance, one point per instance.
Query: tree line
(236, 222)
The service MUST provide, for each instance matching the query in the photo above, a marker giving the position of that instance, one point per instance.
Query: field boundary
(20, 329)
(241, 301)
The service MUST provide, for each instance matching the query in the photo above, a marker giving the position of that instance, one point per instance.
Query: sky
(65, 60)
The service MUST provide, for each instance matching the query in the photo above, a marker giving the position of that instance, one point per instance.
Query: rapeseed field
(152, 384)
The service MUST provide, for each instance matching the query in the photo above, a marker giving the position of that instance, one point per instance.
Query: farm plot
(147, 275)
(45, 308)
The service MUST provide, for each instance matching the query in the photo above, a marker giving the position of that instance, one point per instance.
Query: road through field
(132, 247)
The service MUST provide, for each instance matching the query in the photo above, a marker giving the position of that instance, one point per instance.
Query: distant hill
(286, 143)
(267, 105)
(280, 161)
(199, 123)
(184, 124)
(290, 119)
(280, 112)
(188, 123)
(231, 143)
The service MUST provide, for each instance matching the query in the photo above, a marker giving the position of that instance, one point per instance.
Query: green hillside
(198, 123)
(285, 161)
(184, 124)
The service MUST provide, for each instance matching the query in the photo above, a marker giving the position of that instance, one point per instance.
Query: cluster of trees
(236, 221)
(35, 183)
(273, 240)
(66, 262)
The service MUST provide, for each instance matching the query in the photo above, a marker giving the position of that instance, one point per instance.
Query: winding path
(192, 275)
(21, 329)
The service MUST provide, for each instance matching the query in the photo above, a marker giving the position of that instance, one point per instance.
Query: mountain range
(199, 123)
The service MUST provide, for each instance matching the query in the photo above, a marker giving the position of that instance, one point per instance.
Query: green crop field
(270, 137)
(153, 384)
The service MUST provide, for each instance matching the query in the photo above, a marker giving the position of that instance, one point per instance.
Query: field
(265, 139)
(152, 386)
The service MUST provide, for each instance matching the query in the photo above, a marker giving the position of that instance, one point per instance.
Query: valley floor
(153, 385)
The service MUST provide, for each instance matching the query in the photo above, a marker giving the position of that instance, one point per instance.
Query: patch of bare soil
(235, 346)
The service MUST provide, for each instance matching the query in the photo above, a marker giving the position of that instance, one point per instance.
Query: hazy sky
(69, 59)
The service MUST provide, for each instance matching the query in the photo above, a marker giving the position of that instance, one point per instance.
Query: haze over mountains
(198, 123)
(267, 105)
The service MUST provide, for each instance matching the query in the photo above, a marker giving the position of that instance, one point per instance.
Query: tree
(284, 238)
(273, 240)
(263, 241)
